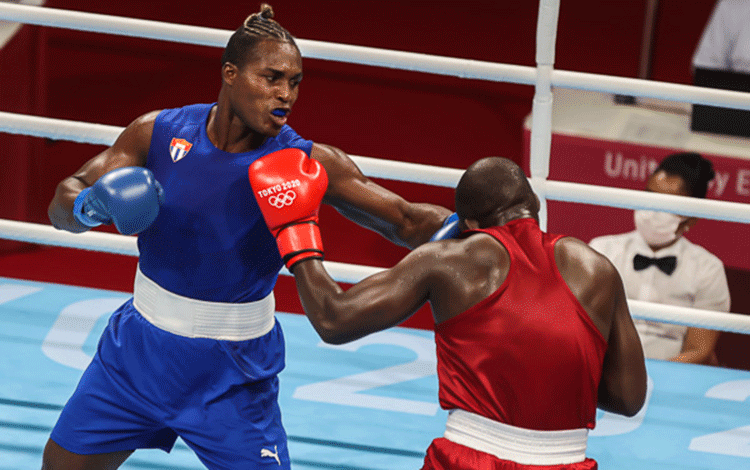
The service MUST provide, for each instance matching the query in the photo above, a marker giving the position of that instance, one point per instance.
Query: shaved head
(494, 190)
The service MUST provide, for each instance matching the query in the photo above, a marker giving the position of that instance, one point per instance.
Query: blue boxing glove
(129, 197)
(450, 229)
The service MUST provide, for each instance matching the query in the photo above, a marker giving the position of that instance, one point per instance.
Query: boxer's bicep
(370, 205)
(380, 301)
(388, 298)
(129, 149)
(622, 388)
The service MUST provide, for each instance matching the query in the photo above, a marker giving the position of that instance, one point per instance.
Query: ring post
(541, 111)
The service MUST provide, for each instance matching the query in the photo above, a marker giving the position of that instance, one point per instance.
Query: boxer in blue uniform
(196, 352)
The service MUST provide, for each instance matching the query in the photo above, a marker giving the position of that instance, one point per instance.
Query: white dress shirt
(698, 281)
(725, 43)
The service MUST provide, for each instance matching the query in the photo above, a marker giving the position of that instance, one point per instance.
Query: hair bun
(266, 11)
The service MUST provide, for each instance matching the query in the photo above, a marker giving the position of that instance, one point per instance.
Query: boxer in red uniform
(533, 330)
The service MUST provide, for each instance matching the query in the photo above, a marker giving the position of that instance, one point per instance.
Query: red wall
(363, 110)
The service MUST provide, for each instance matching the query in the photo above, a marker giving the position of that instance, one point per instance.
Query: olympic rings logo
(283, 199)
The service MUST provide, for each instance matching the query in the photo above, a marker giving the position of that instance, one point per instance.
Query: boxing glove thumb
(129, 197)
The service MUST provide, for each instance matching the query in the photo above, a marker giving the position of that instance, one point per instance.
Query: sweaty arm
(370, 205)
(595, 282)
(129, 150)
(378, 302)
(622, 388)
(452, 275)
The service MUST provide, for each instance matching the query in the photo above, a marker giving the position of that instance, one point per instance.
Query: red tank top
(528, 355)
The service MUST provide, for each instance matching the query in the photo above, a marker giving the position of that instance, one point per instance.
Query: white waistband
(201, 319)
(524, 446)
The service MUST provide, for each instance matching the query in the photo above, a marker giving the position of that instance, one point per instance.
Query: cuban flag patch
(178, 148)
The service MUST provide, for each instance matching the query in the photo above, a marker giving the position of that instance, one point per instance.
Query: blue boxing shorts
(146, 386)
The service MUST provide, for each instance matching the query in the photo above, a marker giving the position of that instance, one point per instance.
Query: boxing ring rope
(76, 131)
(350, 273)
(410, 61)
(543, 77)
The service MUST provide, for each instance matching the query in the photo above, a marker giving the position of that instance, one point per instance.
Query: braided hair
(694, 170)
(257, 27)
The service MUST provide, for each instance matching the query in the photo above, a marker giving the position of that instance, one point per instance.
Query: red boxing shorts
(446, 455)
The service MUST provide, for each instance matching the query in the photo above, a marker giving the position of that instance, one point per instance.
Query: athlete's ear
(229, 72)
(469, 224)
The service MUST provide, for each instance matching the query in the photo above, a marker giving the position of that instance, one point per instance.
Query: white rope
(58, 129)
(76, 131)
(349, 273)
(650, 89)
(731, 322)
(48, 235)
(410, 172)
(424, 174)
(344, 272)
(473, 69)
(96, 23)
(634, 199)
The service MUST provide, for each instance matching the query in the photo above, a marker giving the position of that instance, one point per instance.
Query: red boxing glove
(289, 187)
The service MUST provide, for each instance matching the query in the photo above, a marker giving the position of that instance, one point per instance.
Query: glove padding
(129, 197)
(450, 229)
(289, 187)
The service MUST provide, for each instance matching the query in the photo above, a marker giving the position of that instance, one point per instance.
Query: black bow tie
(667, 264)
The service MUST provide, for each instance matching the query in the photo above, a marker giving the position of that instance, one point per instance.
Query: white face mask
(657, 228)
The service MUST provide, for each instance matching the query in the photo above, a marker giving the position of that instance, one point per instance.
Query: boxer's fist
(289, 187)
(450, 229)
(129, 197)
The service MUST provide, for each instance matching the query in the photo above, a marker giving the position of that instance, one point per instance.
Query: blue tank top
(210, 241)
